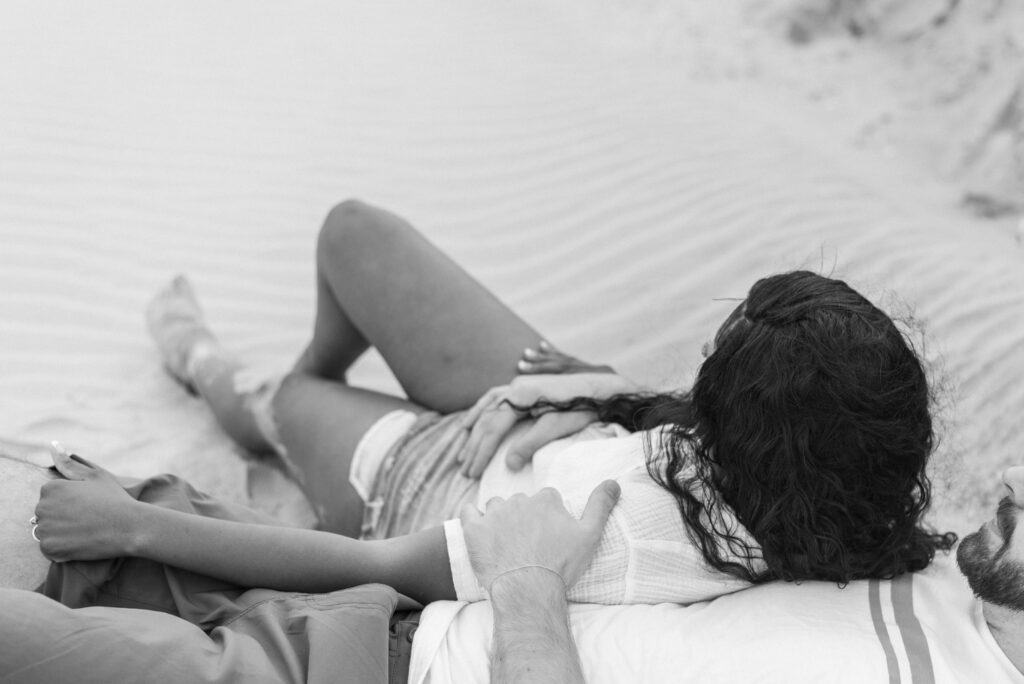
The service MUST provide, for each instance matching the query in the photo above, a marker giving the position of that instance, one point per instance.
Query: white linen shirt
(645, 554)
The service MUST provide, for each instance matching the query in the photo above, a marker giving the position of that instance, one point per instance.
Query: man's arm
(532, 640)
(528, 551)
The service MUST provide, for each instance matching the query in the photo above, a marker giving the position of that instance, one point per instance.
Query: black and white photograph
(455, 342)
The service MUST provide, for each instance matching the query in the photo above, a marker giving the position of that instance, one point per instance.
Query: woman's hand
(88, 516)
(546, 360)
(492, 417)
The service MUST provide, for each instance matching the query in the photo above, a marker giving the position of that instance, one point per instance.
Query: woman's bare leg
(446, 338)
(192, 354)
(319, 423)
(380, 283)
(312, 423)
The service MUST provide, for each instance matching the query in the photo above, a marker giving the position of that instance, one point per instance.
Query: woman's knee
(355, 227)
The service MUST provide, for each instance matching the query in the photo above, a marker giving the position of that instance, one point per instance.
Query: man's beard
(993, 578)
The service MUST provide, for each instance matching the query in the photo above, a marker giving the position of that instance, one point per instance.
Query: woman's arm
(291, 559)
(493, 416)
(90, 516)
(544, 373)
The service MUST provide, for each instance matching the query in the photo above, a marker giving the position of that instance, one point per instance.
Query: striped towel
(916, 629)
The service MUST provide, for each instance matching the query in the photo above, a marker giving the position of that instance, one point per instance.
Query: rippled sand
(611, 198)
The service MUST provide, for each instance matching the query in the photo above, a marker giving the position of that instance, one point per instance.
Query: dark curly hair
(811, 421)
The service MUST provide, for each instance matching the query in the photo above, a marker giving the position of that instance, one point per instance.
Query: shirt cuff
(466, 586)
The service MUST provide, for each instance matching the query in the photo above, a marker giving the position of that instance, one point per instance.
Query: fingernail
(524, 365)
(530, 353)
(545, 345)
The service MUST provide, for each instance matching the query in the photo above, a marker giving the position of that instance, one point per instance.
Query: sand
(610, 190)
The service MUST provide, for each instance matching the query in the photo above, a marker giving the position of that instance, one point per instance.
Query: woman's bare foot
(176, 323)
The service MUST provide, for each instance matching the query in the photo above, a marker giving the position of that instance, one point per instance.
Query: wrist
(532, 635)
(135, 540)
(528, 587)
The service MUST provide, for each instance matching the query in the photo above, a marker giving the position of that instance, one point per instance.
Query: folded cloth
(134, 620)
(273, 638)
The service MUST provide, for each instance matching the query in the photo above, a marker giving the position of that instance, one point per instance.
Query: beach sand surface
(619, 202)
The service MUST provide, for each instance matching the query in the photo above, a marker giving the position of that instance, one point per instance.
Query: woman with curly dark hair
(799, 453)
(810, 419)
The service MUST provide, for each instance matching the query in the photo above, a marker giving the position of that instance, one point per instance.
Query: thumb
(73, 466)
(600, 504)
(65, 465)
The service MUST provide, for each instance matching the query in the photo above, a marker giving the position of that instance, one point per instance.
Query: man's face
(992, 558)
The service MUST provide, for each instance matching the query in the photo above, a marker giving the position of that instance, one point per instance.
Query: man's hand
(536, 531)
(528, 551)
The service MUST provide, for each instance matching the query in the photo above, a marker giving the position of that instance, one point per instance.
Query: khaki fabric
(274, 638)
(133, 620)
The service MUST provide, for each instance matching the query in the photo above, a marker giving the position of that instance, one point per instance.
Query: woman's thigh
(319, 424)
(444, 335)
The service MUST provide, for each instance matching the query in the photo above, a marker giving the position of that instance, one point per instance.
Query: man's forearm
(526, 550)
(532, 639)
(292, 559)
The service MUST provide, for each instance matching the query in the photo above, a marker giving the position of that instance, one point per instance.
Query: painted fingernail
(530, 353)
(545, 345)
(524, 365)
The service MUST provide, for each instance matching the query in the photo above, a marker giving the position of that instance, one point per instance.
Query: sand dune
(610, 198)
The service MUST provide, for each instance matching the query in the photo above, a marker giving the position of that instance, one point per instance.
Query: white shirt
(645, 554)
